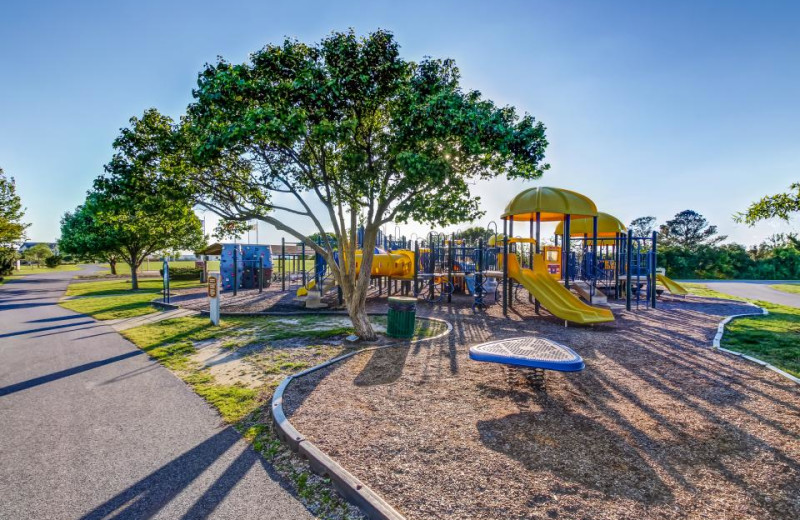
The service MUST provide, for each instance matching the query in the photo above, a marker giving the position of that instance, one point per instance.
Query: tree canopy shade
(135, 211)
(372, 137)
(689, 229)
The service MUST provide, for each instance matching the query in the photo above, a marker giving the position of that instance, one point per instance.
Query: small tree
(474, 233)
(349, 123)
(12, 229)
(642, 226)
(83, 235)
(133, 210)
(38, 254)
(689, 230)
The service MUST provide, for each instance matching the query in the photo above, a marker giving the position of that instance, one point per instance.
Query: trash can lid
(402, 299)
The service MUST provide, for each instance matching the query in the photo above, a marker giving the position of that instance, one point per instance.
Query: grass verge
(793, 288)
(113, 299)
(774, 338)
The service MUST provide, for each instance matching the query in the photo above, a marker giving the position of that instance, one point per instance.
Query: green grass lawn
(32, 269)
(113, 299)
(793, 288)
(774, 338)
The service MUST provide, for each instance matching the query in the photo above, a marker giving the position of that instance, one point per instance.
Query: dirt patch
(228, 366)
(656, 426)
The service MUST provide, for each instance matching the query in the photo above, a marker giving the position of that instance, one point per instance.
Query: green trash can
(402, 314)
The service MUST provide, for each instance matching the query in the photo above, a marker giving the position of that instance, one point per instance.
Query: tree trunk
(357, 310)
(134, 274)
(356, 284)
(113, 264)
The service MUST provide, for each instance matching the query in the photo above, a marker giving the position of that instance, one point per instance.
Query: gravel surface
(656, 426)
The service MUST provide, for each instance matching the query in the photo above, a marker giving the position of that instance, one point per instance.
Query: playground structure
(242, 266)
(592, 259)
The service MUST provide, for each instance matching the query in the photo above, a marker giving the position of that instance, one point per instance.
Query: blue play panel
(528, 352)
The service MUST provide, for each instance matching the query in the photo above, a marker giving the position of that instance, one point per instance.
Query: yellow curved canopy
(551, 204)
(607, 226)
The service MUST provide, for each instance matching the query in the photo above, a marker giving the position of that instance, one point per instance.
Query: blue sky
(651, 108)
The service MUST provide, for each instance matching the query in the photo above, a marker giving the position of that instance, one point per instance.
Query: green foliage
(348, 121)
(473, 234)
(8, 260)
(771, 260)
(84, 236)
(134, 211)
(230, 229)
(781, 206)
(12, 229)
(37, 254)
(689, 229)
(53, 261)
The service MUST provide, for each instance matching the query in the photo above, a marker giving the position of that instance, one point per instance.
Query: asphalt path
(754, 289)
(91, 428)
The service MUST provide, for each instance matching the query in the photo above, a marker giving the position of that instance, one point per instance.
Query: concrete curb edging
(355, 491)
(716, 344)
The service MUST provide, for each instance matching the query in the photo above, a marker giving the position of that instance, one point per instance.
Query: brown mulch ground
(656, 426)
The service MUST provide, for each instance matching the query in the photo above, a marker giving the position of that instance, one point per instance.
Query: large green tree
(690, 230)
(349, 126)
(134, 209)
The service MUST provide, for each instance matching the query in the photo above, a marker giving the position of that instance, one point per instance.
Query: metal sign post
(213, 296)
(165, 268)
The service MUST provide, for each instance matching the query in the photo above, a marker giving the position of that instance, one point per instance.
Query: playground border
(716, 344)
(355, 491)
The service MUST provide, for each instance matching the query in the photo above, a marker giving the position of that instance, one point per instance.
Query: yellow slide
(671, 285)
(554, 296)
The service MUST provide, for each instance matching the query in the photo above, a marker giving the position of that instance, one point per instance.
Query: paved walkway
(92, 428)
(755, 289)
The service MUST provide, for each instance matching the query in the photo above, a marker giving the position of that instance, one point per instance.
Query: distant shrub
(53, 261)
(8, 260)
(183, 273)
